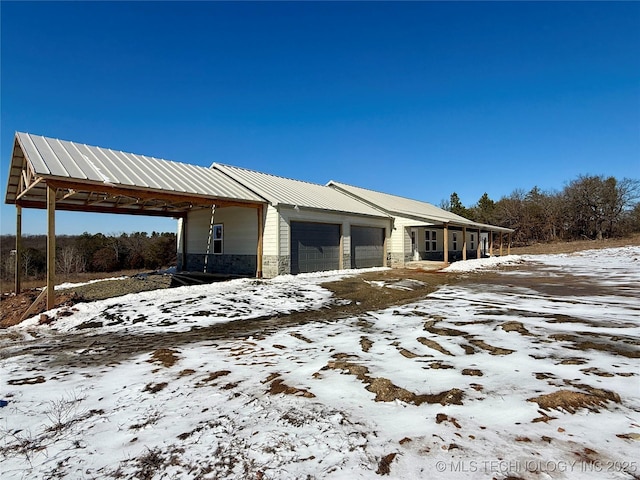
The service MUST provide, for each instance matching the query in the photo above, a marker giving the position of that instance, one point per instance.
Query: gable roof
(91, 174)
(409, 208)
(296, 193)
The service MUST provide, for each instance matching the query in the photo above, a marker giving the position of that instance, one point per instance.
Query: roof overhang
(379, 215)
(26, 187)
(442, 221)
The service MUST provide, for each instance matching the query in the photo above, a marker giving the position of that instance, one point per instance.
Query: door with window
(415, 254)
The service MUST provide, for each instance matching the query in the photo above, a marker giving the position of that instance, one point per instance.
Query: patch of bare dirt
(514, 326)
(278, 386)
(386, 391)
(27, 381)
(14, 306)
(384, 466)
(365, 296)
(164, 356)
(434, 345)
(450, 332)
(490, 348)
(571, 401)
(365, 344)
(442, 417)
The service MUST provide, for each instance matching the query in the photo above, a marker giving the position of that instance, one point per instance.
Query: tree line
(89, 253)
(590, 207)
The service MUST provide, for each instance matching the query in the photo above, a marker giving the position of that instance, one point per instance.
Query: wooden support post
(18, 259)
(479, 247)
(446, 243)
(491, 243)
(464, 243)
(501, 237)
(51, 247)
(260, 210)
(184, 224)
(385, 245)
(509, 244)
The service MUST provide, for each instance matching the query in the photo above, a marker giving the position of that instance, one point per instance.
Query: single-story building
(232, 220)
(307, 227)
(422, 231)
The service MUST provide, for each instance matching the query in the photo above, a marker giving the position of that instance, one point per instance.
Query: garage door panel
(314, 247)
(367, 247)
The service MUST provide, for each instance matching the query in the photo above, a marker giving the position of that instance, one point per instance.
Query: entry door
(414, 244)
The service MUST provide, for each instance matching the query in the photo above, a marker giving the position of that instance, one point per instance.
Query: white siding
(270, 242)
(400, 236)
(240, 234)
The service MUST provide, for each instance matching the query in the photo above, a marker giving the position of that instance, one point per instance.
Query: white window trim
(218, 227)
(431, 240)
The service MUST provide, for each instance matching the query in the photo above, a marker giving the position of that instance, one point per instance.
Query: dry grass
(29, 283)
(164, 356)
(576, 246)
(571, 401)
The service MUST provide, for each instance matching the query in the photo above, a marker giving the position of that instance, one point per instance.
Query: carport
(52, 174)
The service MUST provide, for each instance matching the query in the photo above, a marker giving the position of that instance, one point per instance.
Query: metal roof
(100, 179)
(407, 207)
(297, 193)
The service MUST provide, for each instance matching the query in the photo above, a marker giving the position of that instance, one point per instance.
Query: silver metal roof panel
(286, 191)
(49, 157)
(407, 207)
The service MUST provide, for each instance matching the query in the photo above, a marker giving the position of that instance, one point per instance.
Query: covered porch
(448, 242)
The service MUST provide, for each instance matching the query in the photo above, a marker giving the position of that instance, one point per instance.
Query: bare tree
(596, 204)
(69, 260)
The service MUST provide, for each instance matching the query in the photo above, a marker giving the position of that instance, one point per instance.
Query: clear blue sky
(418, 99)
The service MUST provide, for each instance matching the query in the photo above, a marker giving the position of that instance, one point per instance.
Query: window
(217, 239)
(431, 243)
(473, 239)
(455, 241)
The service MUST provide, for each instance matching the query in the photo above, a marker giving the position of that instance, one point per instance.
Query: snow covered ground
(528, 371)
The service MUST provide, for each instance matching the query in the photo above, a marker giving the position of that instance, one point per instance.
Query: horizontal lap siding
(240, 230)
(270, 241)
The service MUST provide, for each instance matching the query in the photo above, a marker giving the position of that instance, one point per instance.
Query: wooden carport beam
(142, 194)
(501, 237)
(51, 246)
(479, 245)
